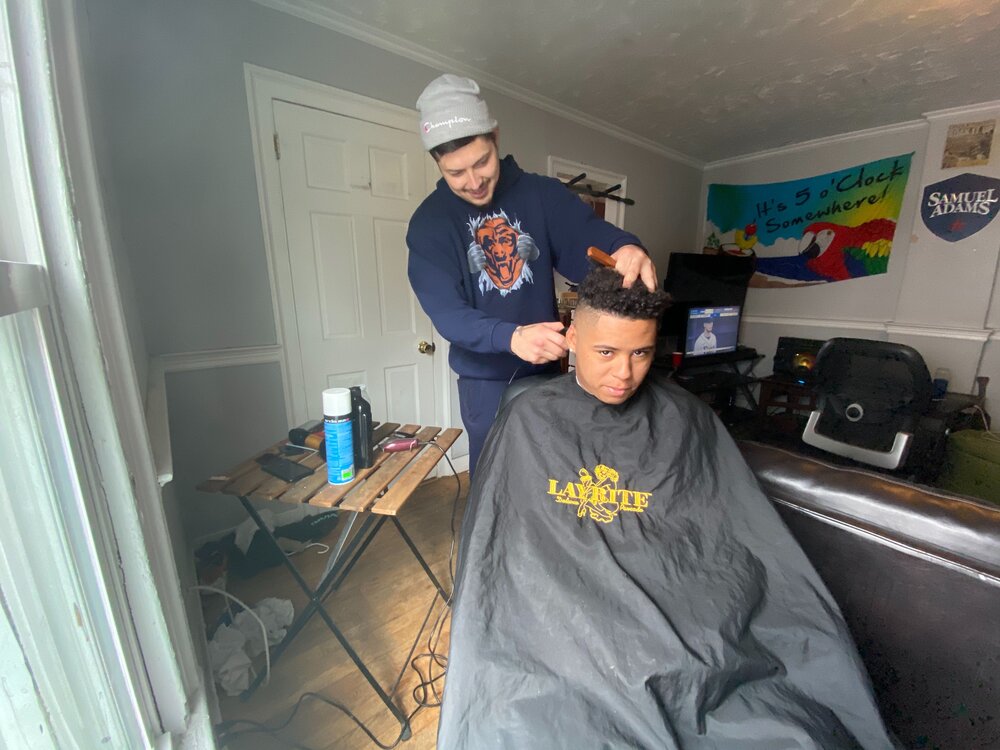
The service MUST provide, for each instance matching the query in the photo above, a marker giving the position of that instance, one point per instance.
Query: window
(93, 651)
(54, 605)
(56, 629)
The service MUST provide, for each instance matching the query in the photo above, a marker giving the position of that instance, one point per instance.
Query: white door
(349, 188)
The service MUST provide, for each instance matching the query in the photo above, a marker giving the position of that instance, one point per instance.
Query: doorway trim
(263, 87)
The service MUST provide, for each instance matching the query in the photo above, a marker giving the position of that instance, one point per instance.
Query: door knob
(426, 347)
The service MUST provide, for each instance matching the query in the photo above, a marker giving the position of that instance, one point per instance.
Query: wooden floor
(380, 609)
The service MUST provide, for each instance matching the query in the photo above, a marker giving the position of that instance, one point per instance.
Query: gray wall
(169, 85)
(214, 427)
(167, 95)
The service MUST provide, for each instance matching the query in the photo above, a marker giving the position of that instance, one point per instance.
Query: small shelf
(723, 376)
(785, 394)
(713, 380)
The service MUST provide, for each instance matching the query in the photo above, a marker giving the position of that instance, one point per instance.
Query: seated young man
(622, 580)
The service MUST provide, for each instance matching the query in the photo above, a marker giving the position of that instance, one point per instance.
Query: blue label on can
(339, 450)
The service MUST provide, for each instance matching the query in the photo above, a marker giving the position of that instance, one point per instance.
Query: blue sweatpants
(478, 401)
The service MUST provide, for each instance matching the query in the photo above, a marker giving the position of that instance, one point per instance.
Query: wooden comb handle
(600, 257)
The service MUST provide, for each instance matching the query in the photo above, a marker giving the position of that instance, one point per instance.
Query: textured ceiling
(713, 79)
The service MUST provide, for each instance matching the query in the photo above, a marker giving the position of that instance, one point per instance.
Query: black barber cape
(623, 582)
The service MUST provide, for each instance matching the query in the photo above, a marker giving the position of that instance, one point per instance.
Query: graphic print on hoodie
(500, 252)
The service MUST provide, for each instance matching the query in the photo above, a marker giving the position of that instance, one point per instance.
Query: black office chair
(872, 398)
(516, 387)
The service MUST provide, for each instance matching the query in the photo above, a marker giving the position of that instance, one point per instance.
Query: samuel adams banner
(831, 227)
(960, 206)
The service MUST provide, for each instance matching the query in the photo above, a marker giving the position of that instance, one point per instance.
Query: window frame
(114, 529)
(56, 603)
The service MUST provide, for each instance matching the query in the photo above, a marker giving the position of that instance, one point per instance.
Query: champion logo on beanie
(429, 126)
(450, 108)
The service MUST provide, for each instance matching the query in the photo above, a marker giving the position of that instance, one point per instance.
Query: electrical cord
(226, 730)
(433, 658)
(229, 734)
(986, 425)
(420, 696)
(454, 511)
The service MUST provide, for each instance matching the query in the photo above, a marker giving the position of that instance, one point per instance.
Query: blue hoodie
(481, 272)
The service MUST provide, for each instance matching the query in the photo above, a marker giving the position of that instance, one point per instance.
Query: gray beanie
(450, 107)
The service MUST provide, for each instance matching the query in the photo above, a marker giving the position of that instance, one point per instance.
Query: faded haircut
(602, 291)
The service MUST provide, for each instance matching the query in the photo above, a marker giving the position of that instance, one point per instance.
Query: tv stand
(742, 354)
(721, 376)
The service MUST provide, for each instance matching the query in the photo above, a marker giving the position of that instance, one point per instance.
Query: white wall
(870, 299)
(167, 86)
(205, 406)
(954, 286)
(936, 296)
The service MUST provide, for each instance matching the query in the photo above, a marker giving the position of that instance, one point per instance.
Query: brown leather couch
(917, 575)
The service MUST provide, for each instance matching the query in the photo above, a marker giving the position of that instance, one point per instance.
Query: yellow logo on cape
(598, 495)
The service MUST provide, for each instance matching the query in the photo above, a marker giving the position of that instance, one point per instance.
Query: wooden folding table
(376, 495)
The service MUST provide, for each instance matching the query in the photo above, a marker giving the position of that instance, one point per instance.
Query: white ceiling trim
(331, 19)
(900, 127)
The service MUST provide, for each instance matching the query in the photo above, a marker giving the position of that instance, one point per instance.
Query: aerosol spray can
(361, 419)
(339, 439)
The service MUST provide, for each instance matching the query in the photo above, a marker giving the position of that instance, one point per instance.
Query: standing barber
(483, 247)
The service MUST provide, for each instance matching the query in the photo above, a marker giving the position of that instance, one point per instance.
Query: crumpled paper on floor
(276, 614)
(232, 646)
(228, 659)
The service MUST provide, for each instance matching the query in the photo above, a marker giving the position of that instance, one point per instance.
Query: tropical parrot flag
(832, 227)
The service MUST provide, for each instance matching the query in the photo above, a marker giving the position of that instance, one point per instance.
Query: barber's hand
(632, 262)
(539, 343)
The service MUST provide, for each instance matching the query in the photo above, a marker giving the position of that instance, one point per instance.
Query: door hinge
(277, 148)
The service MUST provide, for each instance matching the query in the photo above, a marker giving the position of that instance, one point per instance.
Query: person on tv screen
(706, 343)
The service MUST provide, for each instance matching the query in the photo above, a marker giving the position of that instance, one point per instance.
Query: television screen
(712, 330)
(696, 280)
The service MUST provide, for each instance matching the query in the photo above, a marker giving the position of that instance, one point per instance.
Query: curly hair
(602, 291)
